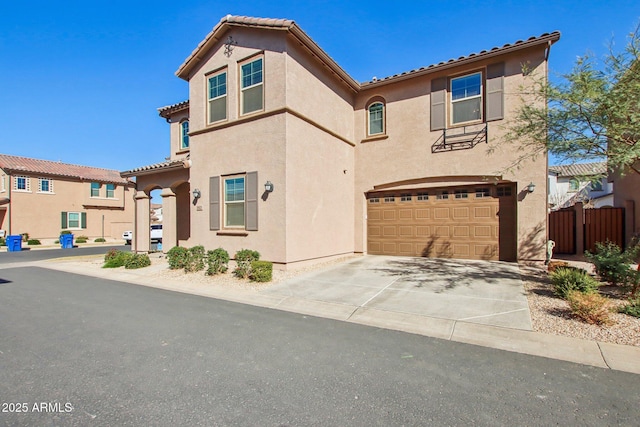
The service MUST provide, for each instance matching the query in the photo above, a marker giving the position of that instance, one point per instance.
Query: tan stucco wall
(406, 153)
(39, 214)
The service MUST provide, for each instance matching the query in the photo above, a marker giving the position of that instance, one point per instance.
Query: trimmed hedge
(261, 271)
(177, 257)
(217, 261)
(137, 261)
(244, 258)
(33, 242)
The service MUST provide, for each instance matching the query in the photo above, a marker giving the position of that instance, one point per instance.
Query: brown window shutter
(438, 103)
(214, 203)
(251, 202)
(495, 91)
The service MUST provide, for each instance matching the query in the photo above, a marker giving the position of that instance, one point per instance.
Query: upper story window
(217, 96)
(466, 98)
(251, 85)
(376, 119)
(234, 202)
(111, 191)
(45, 185)
(596, 185)
(22, 183)
(95, 189)
(184, 135)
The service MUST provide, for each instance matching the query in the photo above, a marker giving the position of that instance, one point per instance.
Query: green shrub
(3, 242)
(33, 242)
(632, 308)
(244, 257)
(137, 261)
(592, 308)
(117, 259)
(177, 257)
(100, 240)
(111, 253)
(261, 271)
(217, 261)
(81, 240)
(611, 263)
(566, 279)
(56, 241)
(195, 259)
(65, 232)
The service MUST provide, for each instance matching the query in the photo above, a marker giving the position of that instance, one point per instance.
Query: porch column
(169, 219)
(142, 226)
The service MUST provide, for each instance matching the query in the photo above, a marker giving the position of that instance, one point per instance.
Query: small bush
(3, 241)
(244, 257)
(56, 241)
(65, 232)
(195, 259)
(565, 279)
(593, 308)
(632, 308)
(553, 265)
(33, 242)
(81, 240)
(116, 259)
(137, 261)
(111, 253)
(261, 271)
(100, 240)
(611, 263)
(217, 261)
(177, 257)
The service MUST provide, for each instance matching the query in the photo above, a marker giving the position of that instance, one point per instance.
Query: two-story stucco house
(581, 182)
(42, 198)
(279, 150)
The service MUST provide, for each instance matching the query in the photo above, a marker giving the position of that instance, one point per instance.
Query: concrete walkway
(395, 294)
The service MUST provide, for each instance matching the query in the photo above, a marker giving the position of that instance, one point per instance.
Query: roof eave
(548, 39)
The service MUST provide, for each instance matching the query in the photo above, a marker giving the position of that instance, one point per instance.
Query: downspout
(9, 209)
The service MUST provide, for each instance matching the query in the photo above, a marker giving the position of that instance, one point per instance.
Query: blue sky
(81, 81)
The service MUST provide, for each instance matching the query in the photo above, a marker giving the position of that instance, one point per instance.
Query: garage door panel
(469, 228)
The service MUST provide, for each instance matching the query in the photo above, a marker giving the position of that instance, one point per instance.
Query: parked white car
(156, 234)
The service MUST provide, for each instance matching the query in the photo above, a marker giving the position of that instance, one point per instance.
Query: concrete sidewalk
(389, 315)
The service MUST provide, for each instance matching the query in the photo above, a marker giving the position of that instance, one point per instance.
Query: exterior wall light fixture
(197, 194)
(268, 187)
(531, 187)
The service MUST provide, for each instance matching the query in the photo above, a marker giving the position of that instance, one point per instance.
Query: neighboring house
(44, 197)
(156, 213)
(626, 194)
(581, 182)
(279, 150)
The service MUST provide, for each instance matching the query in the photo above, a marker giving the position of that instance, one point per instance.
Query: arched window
(184, 135)
(376, 118)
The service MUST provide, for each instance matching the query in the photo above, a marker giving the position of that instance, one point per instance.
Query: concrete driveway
(482, 292)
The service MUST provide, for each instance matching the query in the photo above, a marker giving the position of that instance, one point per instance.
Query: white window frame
(467, 98)
(91, 189)
(382, 118)
(217, 97)
(79, 227)
(113, 191)
(3, 185)
(27, 181)
(50, 181)
(233, 202)
(252, 86)
(184, 135)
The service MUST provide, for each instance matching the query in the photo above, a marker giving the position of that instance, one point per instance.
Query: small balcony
(460, 138)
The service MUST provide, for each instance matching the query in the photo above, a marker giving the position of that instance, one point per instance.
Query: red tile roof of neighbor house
(27, 165)
(580, 169)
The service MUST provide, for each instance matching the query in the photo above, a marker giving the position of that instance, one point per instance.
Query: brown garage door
(466, 222)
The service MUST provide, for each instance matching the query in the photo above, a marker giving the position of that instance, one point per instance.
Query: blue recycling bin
(66, 241)
(14, 243)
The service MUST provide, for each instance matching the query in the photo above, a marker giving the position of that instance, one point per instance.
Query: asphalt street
(76, 350)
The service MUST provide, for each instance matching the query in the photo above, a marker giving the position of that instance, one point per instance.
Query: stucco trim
(374, 138)
(266, 114)
(439, 181)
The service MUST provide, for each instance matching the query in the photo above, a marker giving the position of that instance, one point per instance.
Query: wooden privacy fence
(575, 229)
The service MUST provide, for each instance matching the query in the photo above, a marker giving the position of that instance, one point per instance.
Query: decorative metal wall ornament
(229, 45)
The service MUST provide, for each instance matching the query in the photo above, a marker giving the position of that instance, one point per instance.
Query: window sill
(46, 192)
(103, 198)
(374, 138)
(183, 151)
(232, 233)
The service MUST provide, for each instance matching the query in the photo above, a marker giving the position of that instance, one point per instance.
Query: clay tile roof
(496, 50)
(170, 109)
(158, 167)
(580, 169)
(26, 165)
